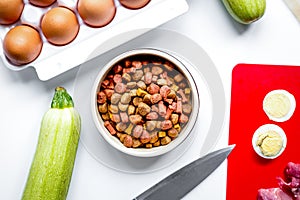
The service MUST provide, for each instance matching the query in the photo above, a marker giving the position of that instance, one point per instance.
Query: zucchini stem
(61, 99)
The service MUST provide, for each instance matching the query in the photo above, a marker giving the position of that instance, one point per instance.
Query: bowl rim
(144, 152)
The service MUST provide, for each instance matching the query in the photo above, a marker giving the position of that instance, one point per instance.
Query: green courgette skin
(52, 166)
(245, 11)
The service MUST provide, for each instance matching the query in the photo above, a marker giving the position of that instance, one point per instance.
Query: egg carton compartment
(54, 60)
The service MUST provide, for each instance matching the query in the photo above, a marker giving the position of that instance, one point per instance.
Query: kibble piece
(144, 109)
(183, 118)
(155, 98)
(135, 119)
(154, 79)
(142, 85)
(169, 66)
(153, 88)
(178, 78)
(175, 87)
(152, 116)
(113, 108)
(101, 97)
(187, 108)
(150, 125)
(177, 127)
(105, 116)
(179, 106)
(164, 91)
(182, 94)
(145, 137)
(131, 110)
(162, 109)
(137, 75)
(154, 108)
(136, 101)
(147, 99)
(187, 91)
(117, 69)
(110, 128)
(157, 143)
(141, 92)
(122, 107)
(121, 136)
(162, 81)
(126, 77)
(162, 134)
(156, 70)
(148, 145)
(102, 108)
(128, 141)
(131, 85)
(121, 126)
(153, 137)
(174, 118)
(137, 64)
(117, 78)
(136, 143)
(166, 124)
(137, 131)
(165, 140)
(148, 78)
(172, 94)
(129, 129)
(126, 98)
(115, 98)
(109, 93)
(132, 92)
(173, 133)
(120, 88)
(115, 118)
(124, 117)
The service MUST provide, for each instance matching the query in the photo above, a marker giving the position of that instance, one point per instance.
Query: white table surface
(275, 39)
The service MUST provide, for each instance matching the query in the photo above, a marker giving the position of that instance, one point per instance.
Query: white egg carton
(55, 60)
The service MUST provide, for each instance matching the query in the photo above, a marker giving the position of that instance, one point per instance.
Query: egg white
(292, 105)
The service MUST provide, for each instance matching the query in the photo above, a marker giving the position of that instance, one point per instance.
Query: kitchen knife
(178, 184)
(294, 6)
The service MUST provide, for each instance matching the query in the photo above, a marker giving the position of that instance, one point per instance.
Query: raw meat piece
(292, 184)
(289, 189)
(272, 194)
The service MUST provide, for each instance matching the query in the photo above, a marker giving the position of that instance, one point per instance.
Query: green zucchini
(52, 166)
(245, 11)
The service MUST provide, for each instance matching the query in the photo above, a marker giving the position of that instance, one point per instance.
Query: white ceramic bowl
(154, 151)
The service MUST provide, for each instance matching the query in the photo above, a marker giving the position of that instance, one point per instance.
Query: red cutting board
(247, 172)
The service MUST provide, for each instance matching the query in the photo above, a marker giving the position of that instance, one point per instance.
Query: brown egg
(42, 3)
(96, 13)
(134, 4)
(10, 11)
(60, 26)
(22, 44)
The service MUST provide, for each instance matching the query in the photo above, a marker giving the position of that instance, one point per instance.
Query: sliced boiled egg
(279, 105)
(269, 141)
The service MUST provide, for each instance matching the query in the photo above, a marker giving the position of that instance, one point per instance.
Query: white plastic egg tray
(54, 60)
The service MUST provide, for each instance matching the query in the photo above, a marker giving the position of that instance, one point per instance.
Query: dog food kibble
(144, 101)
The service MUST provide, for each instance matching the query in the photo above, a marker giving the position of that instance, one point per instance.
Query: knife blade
(182, 181)
(294, 6)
